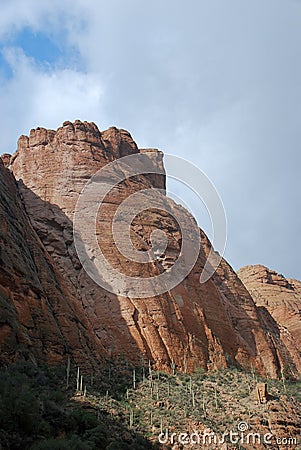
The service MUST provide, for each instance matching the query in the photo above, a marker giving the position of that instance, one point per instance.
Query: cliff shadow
(98, 309)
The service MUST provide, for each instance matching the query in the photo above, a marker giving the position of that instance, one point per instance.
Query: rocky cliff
(39, 318)
(278, 301)
(208, 325)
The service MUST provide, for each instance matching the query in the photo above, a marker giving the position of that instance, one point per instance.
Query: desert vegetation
(126, 407)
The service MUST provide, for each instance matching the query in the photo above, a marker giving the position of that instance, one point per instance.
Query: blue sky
(5, 68)
(39, 46)
(216, 82)
(49, 51)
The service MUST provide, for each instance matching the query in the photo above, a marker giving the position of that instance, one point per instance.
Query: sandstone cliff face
(195, 325)
(6, 159)
(278, 301)
(39, 319)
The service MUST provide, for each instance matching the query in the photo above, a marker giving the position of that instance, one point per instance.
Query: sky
(218, 83)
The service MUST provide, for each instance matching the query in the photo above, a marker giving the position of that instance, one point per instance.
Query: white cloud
(46, 16)
(216, 81)
(35, 97)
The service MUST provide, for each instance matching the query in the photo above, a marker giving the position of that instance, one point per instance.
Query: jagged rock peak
(76, 150)
(210, 325)
(70, 133)
(263, 275)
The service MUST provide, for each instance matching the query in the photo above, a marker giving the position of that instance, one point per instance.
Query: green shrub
(97, 436)
(52, 444)
(73, 443)
(119, 445)
(80, 421)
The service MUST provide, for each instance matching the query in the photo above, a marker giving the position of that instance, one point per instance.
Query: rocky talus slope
(278, 301)
(209, 325)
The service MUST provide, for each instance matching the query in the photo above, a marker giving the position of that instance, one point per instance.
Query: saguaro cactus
(173, 367)
(68, 372)
(131, 418)
(193, 398)
(77, 380)
(185, 363)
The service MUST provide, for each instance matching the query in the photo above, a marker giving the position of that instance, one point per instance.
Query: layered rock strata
(194, 325)
(278, 301)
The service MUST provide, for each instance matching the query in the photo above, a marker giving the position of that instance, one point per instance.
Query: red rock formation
(5, 159)
(278, 301)
(209, 325)
(39, 319)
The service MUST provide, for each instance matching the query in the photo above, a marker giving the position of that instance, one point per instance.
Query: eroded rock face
(194, 325)
(5, 159)
(39, 318)
(278, 301)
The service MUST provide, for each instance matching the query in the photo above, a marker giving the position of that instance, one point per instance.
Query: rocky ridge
(278, 301)
(209, 325)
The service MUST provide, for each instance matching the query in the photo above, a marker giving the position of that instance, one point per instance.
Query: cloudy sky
(217, 82)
